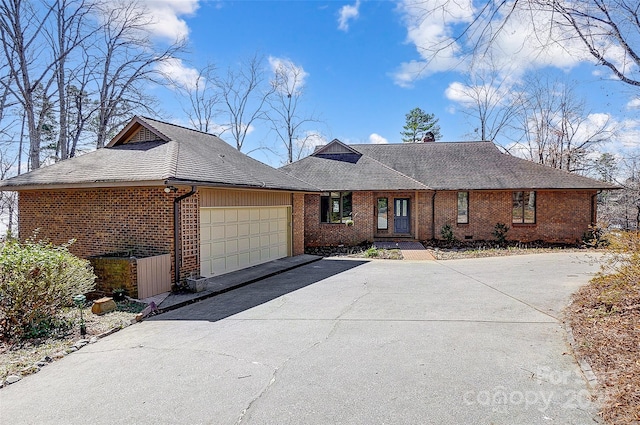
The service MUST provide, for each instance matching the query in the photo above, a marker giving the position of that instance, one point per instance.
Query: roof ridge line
(182, 127)
(172, 160)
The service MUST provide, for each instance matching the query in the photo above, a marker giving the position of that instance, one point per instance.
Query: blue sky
(360, 59)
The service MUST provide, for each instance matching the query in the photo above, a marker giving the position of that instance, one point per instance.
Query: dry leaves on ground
(20, 357)
(605, 318)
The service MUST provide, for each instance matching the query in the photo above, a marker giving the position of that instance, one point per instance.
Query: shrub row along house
(159, 189)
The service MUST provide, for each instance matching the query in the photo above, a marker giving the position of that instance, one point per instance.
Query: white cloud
(176, 71)
(634, 103)
(346, 14)
(525, 42)
(377, 139)
(469, 95)
(167, 17)
(294, 76)
(627, 136)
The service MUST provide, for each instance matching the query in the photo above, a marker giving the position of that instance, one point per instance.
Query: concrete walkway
(410, 250)
(477, 341)
(219, 284)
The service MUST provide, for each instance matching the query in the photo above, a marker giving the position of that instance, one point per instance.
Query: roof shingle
(185, 156)
(438, 166)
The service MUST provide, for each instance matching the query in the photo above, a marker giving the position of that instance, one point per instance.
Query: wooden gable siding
(242, 198)
(142, 135)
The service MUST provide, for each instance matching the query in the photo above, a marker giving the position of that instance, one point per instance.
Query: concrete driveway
(338, 342)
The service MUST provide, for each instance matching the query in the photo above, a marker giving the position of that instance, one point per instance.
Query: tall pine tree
(419, 123)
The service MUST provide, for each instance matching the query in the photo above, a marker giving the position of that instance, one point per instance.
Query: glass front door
(401, 216)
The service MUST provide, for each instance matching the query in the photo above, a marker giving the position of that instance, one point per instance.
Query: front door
(401, 215)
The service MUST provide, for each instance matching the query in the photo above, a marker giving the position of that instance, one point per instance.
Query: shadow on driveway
(246, 297)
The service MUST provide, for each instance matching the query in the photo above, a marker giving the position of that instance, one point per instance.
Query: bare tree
(629, 199)
(70, 33)
(127, 63)
(8, 200)
(490, 101)
(607, 30)
(21, 28)
(284, 114)
(203, 98)
(557, 130)
(244, 92)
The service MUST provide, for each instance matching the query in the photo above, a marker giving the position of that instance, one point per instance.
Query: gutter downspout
(594, 208)
(176, 233)
(433, 215)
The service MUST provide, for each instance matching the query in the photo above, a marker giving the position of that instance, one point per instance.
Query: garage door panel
(230, 215)
(234, 238)
(243, 229)
(205, 217)
(205, 250)
(230, 231)
(244, 260)
(217, 216)
(217, 249)
(244, 244)
(244, 215)
(254, 256)
(264, 227)
(231, 262)
(231, 246)
(217, 233)
(218, 264)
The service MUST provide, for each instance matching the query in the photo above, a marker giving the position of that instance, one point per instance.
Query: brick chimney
(428, 137)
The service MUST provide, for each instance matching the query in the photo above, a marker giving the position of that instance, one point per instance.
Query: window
(335, 207)
(383, 207)
(463, 207)
(524, 207)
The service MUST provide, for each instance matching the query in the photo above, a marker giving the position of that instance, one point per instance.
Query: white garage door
(235, 238)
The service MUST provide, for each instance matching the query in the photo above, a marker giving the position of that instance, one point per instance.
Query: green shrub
(371, 252)
(37, 279)
(447, 233)
(500, 233)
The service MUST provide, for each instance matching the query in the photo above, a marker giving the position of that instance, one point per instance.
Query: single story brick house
(412, 190)
(159, 189)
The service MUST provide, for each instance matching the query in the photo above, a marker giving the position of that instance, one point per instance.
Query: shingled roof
(151, 152)
(435, 165)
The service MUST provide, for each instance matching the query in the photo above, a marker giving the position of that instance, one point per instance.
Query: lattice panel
(189, 216)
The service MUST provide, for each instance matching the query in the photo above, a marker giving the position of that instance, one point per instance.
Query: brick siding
(328, 234)
(561, 216)
(297, 223)
(107, 220)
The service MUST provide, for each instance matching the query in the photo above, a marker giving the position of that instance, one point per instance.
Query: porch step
(411, 250)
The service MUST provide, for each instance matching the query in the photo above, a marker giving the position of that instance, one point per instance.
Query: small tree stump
(103, 305)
